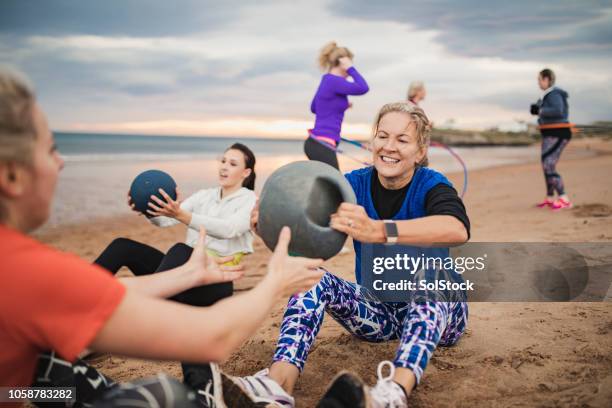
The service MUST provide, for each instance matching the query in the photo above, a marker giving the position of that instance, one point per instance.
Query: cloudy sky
(249, 68)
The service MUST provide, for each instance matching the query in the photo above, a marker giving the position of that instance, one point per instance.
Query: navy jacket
(553, 107)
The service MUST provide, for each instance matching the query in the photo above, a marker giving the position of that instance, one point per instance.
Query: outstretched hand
(207, 269)
(168, 208)
(292, 274)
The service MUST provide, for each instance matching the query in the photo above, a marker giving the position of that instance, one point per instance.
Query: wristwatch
(390, 231)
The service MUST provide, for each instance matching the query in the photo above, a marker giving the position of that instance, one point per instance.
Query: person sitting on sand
(223, 210)
(425, 209)
(55, 301)
(553, 111)
(330, 102)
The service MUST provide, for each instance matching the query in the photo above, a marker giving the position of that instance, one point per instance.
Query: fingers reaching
(223, 259)
(230, 276)
(154, 207)
(202, 237)
(158, 201)
(232, 268)
(284, 238)
(165, 195)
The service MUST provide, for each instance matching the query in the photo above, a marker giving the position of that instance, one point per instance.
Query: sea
(99, 168)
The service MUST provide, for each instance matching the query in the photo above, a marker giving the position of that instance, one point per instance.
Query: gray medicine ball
(303, 195)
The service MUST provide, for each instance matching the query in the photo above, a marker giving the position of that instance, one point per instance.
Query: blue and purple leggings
(421, 327)
(552, 147)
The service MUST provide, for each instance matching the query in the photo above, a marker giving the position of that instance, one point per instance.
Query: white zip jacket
(227, 220)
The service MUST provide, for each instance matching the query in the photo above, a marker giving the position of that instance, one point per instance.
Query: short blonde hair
(414, 88)
(417, 116)
(17, 129)
(330, 55)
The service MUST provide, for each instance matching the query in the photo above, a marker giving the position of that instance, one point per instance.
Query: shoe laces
(262, 388)
(386, 393)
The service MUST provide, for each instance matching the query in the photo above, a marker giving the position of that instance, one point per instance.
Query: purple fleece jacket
(331, 100)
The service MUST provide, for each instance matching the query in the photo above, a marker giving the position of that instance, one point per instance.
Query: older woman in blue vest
(399, 200)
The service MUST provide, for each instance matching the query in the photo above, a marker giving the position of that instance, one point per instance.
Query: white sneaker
(263, 389)
(387, 393)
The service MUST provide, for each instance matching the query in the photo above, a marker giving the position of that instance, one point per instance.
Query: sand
(513, 354)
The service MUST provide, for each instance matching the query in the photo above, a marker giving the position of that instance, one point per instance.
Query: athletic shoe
(561, 204)
(205, 379)
(264, 390)
(215, 389)
(387, 393)
(347, 390)
(547, 203)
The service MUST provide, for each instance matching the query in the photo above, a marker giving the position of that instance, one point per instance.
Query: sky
(240, 68)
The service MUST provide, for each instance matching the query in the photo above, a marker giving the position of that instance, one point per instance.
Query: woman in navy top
(330, 102)
(553, 111)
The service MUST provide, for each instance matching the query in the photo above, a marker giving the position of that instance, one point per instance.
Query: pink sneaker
(546, 203)
(561, 204)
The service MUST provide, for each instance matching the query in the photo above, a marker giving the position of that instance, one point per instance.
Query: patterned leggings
(552, 147)
(93, 389)
(421, 327)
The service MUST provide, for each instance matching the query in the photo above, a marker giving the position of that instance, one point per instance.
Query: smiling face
(232, 169)
(396, 150)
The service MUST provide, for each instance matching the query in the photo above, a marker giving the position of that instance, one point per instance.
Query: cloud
(139, 18)
(513, 29)
(254, 65)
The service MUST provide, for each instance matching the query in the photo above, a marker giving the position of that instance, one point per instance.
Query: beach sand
(513, 354)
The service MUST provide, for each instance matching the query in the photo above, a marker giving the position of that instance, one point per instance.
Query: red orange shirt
(49, 300)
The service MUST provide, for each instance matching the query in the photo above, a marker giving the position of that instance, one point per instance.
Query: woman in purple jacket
(330, 102)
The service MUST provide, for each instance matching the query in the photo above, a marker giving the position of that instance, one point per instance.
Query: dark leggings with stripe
(94, 389)
(553, 143)
(318, 151)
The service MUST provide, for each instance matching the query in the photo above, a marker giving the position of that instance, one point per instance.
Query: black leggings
(317, 151)
(143, 259)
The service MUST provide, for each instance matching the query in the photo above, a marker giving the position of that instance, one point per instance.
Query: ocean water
(94, 147)
(99, 168)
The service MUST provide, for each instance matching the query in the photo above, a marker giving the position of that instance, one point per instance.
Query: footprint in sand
(592, 210)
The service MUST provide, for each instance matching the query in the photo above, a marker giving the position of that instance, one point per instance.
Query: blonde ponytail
(330, 55)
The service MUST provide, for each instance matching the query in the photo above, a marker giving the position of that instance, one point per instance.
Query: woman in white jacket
(223, 210)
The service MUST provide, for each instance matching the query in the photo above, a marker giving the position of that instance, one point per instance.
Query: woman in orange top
(54, 301)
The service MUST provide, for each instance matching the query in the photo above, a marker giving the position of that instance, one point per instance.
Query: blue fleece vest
(423, 180)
